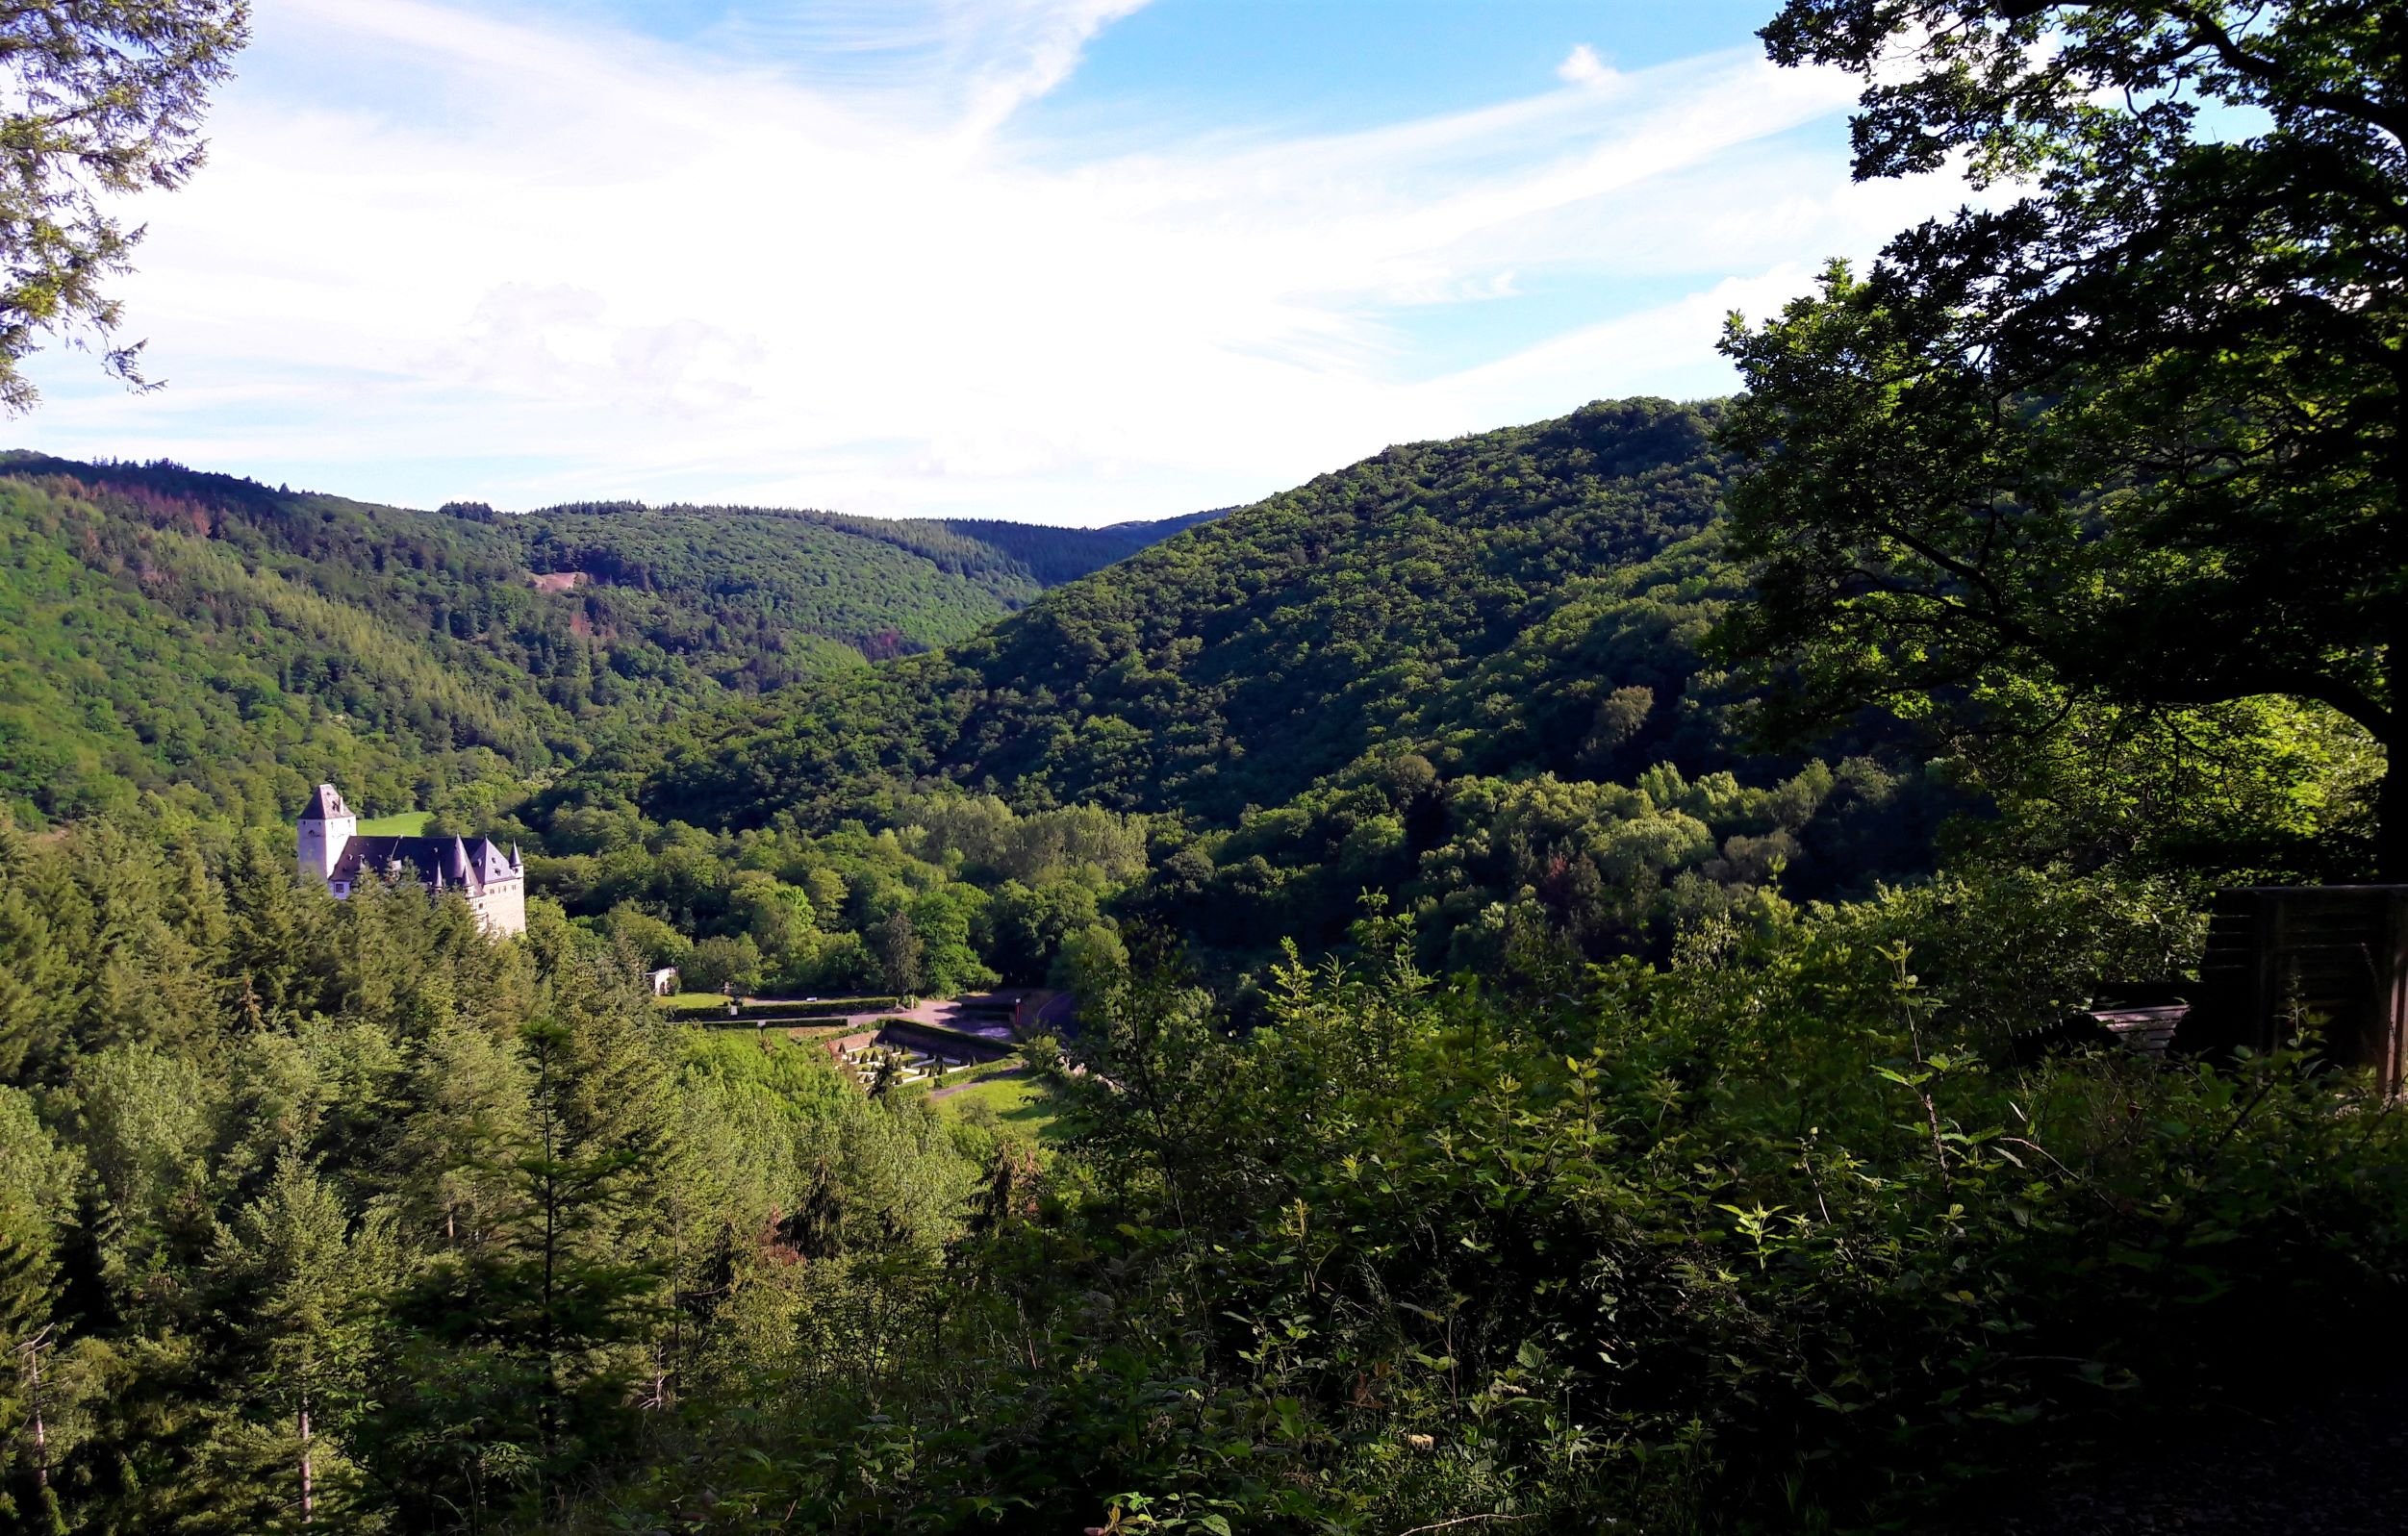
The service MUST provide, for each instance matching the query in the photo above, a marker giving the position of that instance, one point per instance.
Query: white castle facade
(333, 853)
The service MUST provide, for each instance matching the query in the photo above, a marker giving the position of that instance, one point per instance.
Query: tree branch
(2211, 32)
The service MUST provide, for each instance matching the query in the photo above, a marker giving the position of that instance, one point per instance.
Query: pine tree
(28, 1284)
(292, 1278)
(37, 985)
(275, 924)
(900, 954)
(38, 1180)
(513, 1364)
(445, 1175)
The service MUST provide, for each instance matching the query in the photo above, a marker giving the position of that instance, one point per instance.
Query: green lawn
(975, 1070)
(1021, 1101)
(399, 824)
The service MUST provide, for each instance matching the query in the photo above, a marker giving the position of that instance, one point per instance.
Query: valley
(1408, 821)
(1825, 957)
(435, 661)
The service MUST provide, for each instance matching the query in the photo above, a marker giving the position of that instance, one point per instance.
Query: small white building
(332, 852)
(664, 981)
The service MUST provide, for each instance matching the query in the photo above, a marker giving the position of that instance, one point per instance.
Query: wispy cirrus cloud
(973, 61)
(813, 258)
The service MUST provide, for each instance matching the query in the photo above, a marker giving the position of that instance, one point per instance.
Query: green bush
(1771, 1236)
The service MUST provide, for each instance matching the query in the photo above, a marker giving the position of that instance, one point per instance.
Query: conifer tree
(446, 1176)
(37, 1181)
(36, 988)
(293, 1280)
(513, 1361)
(275, 923)
(27, 1337)
(105, 98)
(899, 952)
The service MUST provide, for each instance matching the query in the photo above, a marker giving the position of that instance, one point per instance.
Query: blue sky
(1063, 259)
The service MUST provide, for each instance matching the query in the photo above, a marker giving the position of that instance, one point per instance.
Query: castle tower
(325, 827)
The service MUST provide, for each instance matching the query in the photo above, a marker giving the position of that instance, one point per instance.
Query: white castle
(333, 852)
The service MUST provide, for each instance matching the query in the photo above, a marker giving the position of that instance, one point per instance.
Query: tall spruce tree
(292, 1278)
(36, 988)
(37, 1181)
(513, 1366)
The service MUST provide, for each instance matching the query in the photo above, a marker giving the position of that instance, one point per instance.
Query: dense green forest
(340, 1216)
(1471, 676)
(1573, 929)
(217, 647)
(1239, 665)
(1460, 673)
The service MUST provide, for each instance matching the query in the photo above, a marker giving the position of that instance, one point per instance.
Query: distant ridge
(227, 643)
(1463, 675)
(1163, 527)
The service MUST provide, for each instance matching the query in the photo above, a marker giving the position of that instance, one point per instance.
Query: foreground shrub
(1768, 1238)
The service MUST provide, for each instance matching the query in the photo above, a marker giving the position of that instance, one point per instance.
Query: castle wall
(321, 846)
(502, 907)
(321, 842)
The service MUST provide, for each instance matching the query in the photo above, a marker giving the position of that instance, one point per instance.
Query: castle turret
(326, 825)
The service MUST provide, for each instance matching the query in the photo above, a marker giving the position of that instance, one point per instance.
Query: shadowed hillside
(1464, 675)
(1236, 664)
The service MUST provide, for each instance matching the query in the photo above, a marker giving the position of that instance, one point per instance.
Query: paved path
(957, 1014)
(962, 1014)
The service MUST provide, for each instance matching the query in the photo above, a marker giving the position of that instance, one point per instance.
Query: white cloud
(1582, 68)
(438, 252)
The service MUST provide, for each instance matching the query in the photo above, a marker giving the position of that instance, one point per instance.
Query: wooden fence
(2281, 954)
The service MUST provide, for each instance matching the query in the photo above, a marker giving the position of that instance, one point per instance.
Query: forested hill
(222, 644)
(1464, 674)
(985, 548)
(781, 552)
(1239, 663)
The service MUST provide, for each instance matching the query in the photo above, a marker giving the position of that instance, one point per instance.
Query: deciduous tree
(2131, 431)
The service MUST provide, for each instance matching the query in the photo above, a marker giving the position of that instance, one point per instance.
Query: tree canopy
(1494, 1090)
(2125, 439)
(104, 99)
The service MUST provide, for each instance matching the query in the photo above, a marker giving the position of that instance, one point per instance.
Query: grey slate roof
(442, 863)
(326, 805)
(489, 861)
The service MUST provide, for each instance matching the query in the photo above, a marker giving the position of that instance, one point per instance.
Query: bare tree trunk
(2391, 812)
(33, 1400)
(2390, 798)
(309, 1468)
(547, 1416)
